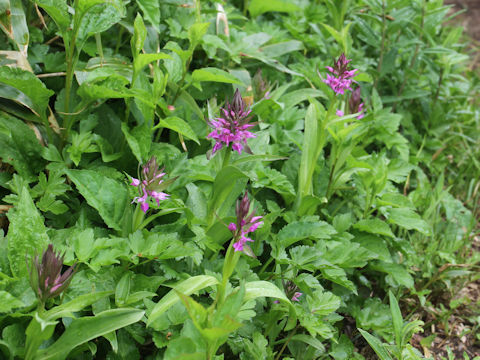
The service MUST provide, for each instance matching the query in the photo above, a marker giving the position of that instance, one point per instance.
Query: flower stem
(226, 156)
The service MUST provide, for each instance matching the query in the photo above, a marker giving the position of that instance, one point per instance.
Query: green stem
(226, 156)
(138, 217)
(98, 40)
(264, 267)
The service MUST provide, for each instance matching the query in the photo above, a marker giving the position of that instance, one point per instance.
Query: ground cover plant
(257, 179)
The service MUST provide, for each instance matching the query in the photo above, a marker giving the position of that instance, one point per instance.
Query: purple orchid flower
(150, 185)
(233, 127)
(341, 79)
(246, 223)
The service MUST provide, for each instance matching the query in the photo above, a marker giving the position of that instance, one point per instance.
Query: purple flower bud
(46, 277)
(232, 227)
(355, 103)
(135, 182)
(339, 113)
(296, 296)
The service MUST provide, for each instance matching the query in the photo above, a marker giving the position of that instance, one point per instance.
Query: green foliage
(353, 207)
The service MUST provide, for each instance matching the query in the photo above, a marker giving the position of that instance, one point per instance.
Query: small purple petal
(232, 227)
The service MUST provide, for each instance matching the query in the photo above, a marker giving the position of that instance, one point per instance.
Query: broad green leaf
(396, 271)
(408, 219)
(295, 97)
(214, 75)
(139, 139)
(180, 126)
(58, 11)
(8, 302)
(196, 33)
(75, 305)
(255, 158)
(88, 328)
(376, 345)
(186, 287)
(20, 147)
(374, 226)
(83, 243)
(151, 11)
(97, 16)
(143, 60)
(28, 84)
(108, 196)
(323, 302)
(256, 289)
(281, 48)
(299, 230)
(222, 187)
(258, 7)
(27, 234)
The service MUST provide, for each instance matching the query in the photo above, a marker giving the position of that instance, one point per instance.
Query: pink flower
(150, 185)
(233, 127)
(246, 223)
(296, 296)
(341, 78)
(339, 113)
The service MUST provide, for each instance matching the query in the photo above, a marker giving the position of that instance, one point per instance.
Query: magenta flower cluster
(150, 185)
(246, 223)
(233, 127)
(341, 78)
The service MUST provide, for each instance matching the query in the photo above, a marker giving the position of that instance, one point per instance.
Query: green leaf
(408, 219)
(214, 75)
(396, 271)
(374, 226)
(222, 187)
(20, 147)
(83, 244)
(180, 126)
(97, 16)
(75, 305)
(196, 33)
(142, 60)
(27, 234)
(88, 328)
(58, 11)
(295, 97)
(299, 230)
(256, 289)
(139, 139)
(376, 345)
(8, 302)
(19, 25)
(186, 287)
(397, 319)
(258, 7)
(151, 11)
(279, 49)
(108, 196)
(122, 291)
(28, 84)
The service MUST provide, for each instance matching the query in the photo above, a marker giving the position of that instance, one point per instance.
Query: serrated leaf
(27, 234)
(108, 196)
(299, 230)
(374, 226)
